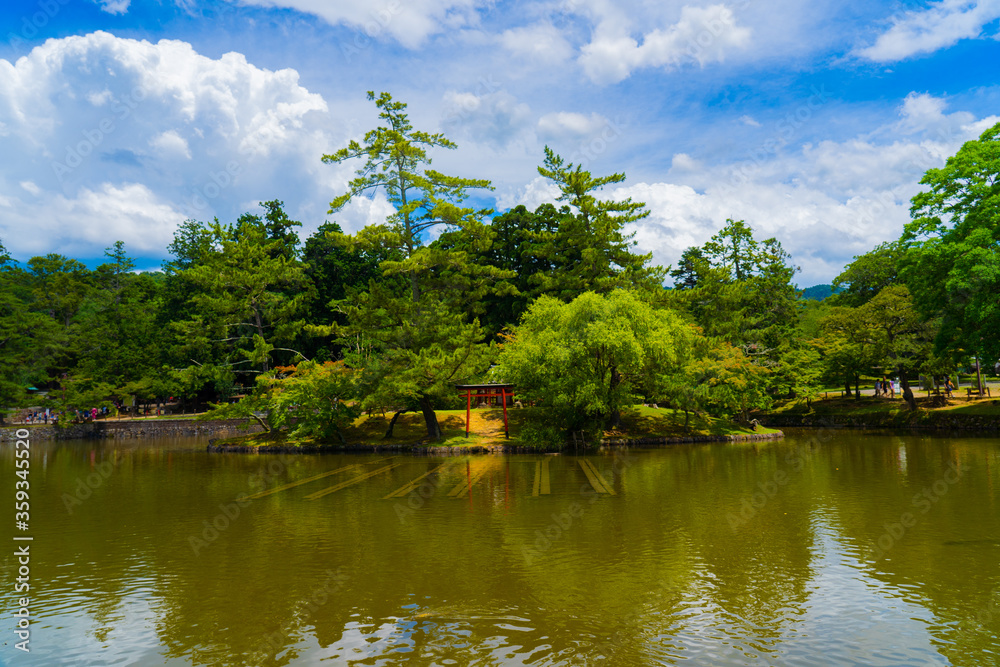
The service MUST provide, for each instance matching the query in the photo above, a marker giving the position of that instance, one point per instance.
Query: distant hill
(820, 292)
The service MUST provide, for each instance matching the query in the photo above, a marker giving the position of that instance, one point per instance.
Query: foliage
(589, 250)
(868, 275)
(410, 346)
(589, 358)
(952, 260)
(309, 401)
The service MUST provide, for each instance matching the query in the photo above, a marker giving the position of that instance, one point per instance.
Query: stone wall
(140, 428)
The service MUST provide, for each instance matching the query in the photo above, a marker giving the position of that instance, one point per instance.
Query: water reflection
(850, 549)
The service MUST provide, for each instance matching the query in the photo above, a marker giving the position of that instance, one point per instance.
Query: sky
(812, 121)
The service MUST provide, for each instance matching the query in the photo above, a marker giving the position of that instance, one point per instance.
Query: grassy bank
(881, 412)
(486, 430)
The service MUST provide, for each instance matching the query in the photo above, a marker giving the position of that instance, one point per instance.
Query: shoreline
(429, 450)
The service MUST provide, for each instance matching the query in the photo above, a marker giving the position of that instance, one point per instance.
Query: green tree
(901, 337)
(590, 251)
(249, 296)
(310, 401)
(119, 334)
(411, 347)
(23, 334)
(952, 258)
(868, 275)
(693, 264)
(589, 358)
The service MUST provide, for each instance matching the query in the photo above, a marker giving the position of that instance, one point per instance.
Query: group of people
(885, 387)
(47, 415)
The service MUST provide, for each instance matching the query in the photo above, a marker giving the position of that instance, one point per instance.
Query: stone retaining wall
(924, 421)
(140, 428)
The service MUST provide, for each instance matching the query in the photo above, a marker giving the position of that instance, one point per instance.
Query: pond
(829, 547)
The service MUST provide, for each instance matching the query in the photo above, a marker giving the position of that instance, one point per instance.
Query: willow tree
(411, 344)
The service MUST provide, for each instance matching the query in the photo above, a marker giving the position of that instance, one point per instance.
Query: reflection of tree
(640, 577)
(947, 560)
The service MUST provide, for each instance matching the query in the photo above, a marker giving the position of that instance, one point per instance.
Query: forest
(309, 332)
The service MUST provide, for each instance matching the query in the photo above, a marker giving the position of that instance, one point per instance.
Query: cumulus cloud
(409, 22)
(939, 26)
(703, 35)
(490, 116)
(102, 130)
(826, 201)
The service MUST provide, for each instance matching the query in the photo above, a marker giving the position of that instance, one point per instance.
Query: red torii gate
(501, 391)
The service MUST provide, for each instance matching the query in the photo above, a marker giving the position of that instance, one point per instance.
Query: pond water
(829, 547)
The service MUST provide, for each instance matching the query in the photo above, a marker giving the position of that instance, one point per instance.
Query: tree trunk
(979, 376)
(847, 386)
(907, 392)
(615, 416)
(392, 424)
(430, 418)
(857, 382)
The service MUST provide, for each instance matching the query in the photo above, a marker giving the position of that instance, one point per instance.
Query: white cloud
(493, 117)
(115, 6)
(541, 43)
(99, 217)
(152, 132)
(703, 35)
(748, 120)
(171, 144)
(566, 123)
(31, 187)
(826, 202)
(941, 25)
(409, 22)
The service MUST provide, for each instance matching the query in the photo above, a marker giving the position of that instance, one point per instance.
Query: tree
(589, 358)
(119, 334)
(693, 264)
(868, 275)
(248, 295)
(336, 269)
(410, 347)
(901, 337)
(23, 334)
(590, 249)
(952, 258)
(310, 401)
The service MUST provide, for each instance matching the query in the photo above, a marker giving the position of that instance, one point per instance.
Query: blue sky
(814, 122)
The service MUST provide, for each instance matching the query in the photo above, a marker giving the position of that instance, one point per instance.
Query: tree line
(556, 300)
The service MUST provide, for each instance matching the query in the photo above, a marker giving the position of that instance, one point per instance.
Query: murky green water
(828, 548)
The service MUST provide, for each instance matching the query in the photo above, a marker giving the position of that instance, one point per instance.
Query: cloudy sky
(812, 121)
